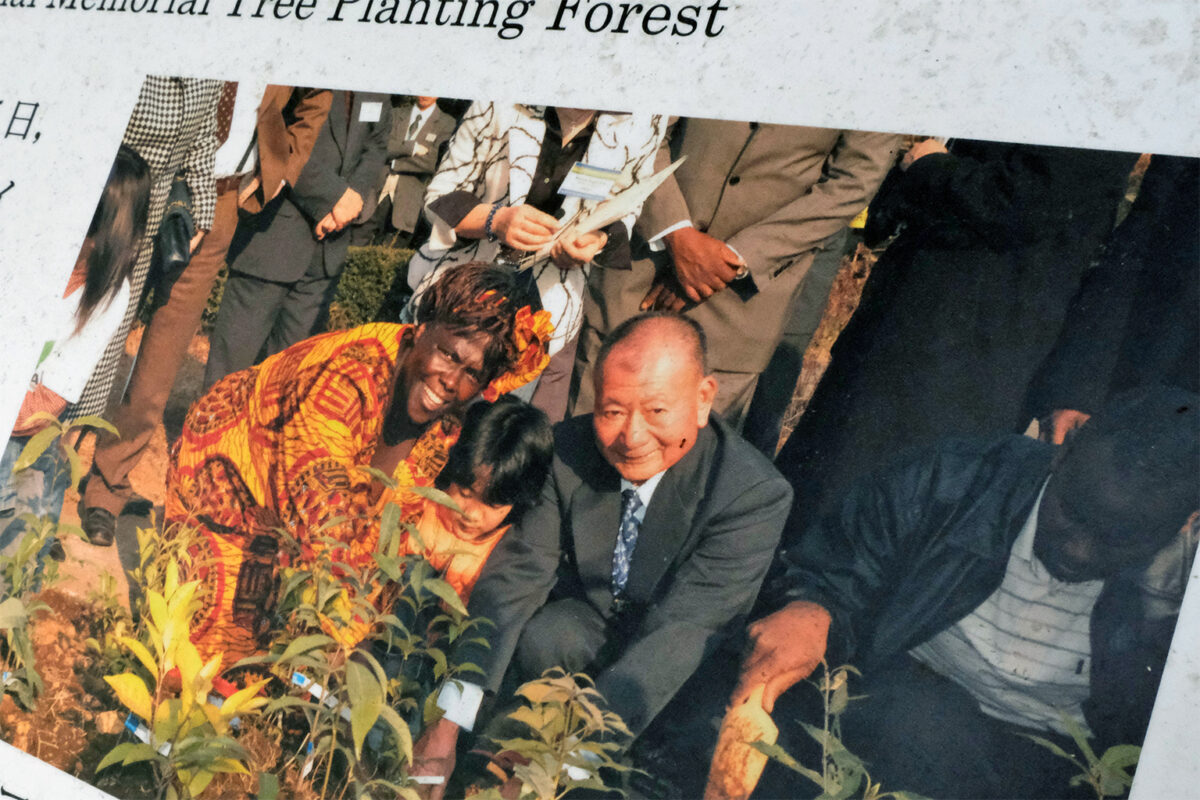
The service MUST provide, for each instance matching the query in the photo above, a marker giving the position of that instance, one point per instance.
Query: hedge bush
(373, 287)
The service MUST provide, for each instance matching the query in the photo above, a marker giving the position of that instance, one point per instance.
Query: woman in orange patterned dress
(284, 446)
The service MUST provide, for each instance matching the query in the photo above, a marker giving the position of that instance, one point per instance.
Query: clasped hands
(344, 211)
(703, 266)
(526, 228)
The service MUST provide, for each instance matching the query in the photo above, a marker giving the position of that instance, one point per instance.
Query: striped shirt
(1025, 652)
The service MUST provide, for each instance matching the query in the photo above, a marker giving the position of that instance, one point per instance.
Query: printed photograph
(411, 446)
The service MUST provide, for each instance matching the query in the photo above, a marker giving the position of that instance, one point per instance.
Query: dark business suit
(774, 194)
(281, 277)
(411, 165)
(709, 533)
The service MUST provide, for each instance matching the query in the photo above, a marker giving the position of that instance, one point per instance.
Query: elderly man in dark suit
(284, 260)
(741, 221)
(653, 535)
(419, 130)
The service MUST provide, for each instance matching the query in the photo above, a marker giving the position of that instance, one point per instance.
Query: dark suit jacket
(278, 244)
(773, 193)
(1136, 317)
(414, 170)
(709, 534)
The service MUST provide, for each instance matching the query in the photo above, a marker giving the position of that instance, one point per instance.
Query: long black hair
(115, 232)
(509, 444)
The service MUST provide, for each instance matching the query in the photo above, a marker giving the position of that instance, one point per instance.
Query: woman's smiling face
(443, 370)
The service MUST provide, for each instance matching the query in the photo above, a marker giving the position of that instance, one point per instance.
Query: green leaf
(268, 787)
(379, 475)
(840, 699)
(303, 644)
(1049, 745)
(128, 753)
(36, 446)
(390, 566)
(366, 702)
(1121, 756)
(1080, 737)
(13, 614)
(132, 693)
(436, 495)
(777, 753)
(404, 742)
(447, 594)
(389, 527)
(115, 756)
(76, 466)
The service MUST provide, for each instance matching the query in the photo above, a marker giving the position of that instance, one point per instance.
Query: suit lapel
(595, 517)
(429, 126)
(338, 122)
(668, 521)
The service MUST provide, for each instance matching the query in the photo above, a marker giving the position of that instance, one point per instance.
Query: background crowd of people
(984, 581)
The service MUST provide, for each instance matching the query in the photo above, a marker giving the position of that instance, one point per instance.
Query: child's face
(477, 518)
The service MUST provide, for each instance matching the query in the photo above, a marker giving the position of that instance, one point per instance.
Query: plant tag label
(318, 693)
(589, 182)
(134, 724)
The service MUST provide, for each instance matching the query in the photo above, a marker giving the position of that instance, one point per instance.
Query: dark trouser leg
(364, 235)
(302, 307)
(247, 315)
(777, 383)
(921, 732)
(564, 633)
(554, 385)
(164, 345)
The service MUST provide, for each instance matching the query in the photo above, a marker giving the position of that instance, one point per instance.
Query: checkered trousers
(173, 127)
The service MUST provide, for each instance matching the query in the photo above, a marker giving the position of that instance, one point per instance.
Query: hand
(326, 226)
(574, 254)
(433, 754)
(1063, 421)
(250, 189)
(784, 649)
(665, 295)
(192, 245)
(703, 265)
(920, 150)
(347, 208)
(523, 226)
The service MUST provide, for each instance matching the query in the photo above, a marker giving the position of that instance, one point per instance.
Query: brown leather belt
(229, 183)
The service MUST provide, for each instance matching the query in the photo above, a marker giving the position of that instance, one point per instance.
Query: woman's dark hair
(477, 298)
(511, 445)
(116, 230)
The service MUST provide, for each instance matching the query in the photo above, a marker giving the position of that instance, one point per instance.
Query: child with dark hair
(494, 474)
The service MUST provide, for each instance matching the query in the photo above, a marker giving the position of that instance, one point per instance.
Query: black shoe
(55, 550)
(99, 525)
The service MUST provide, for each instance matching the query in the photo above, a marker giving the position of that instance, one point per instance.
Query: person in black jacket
(960, 309)
(992, 588)
(1136, 318)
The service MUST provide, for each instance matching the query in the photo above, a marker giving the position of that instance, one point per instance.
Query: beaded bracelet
(487, 226)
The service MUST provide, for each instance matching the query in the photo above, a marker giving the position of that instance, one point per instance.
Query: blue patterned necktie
(626, 540)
